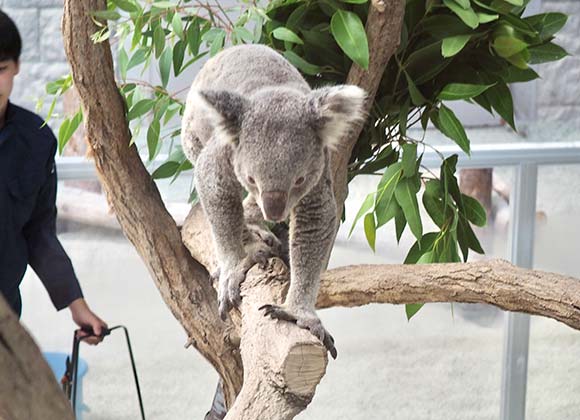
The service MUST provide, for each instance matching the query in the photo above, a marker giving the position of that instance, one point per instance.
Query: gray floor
(444, 364)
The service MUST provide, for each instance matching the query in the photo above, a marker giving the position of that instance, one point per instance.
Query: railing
(525, 157)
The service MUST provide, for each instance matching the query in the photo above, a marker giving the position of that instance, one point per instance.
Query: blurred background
(446, 363)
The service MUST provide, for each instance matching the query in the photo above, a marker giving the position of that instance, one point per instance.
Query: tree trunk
(28, 388)
(183, 283)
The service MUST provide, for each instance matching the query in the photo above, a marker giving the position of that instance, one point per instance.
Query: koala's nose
(274, 205)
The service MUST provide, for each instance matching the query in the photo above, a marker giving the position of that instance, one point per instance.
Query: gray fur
(252, 122)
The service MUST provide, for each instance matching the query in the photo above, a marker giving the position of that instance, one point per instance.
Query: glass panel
(554, 365)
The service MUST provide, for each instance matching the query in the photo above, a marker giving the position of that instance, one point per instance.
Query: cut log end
(303, 368)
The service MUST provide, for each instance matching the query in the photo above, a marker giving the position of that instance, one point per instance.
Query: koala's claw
(310, 323)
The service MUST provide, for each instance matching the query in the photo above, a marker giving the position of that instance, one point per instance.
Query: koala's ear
(224, 110)
(336, 109)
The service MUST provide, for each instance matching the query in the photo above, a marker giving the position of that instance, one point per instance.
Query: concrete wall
(43, 56)
(558, 93)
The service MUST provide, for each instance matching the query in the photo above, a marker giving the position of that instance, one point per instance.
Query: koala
(252, 123)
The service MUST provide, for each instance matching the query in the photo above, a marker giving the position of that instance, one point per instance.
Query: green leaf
(427, 258)
(520, 59)
(354, 1)
(486, 18)
(421, 247)
(165, 65)
(466, 236)
(433, 202)
(365, 207)
(515, 2)
(166, 170)
(138, 58)
(349, 32)
(450, 125)
(458, 91)
(193, 37)
(406, 195)
(140, 108)
(285, 34)
(153, 138)
(547, 24)
(451, 46)
(67, 129)
(244, 35)
(416, 96)
(159, 40)
(178, 55)
(123, 61)
(385, 191)
(506, 46)
(370, 230)
(467, 15)
(217, 44)
(409, 159)
(546, 53)
(164, 4)
(514, 75)
(127, 5)
(411, 309)
(178, 26)
(301, 64)
(500, 98)
(474, 211)
(107, 14)
(400, 221)
(403, 117)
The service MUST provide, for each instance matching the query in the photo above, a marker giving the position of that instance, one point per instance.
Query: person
(28, 201)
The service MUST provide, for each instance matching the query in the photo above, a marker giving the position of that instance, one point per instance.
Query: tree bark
(494, 282)
(28, 388)
(183, 283)
(383, 28)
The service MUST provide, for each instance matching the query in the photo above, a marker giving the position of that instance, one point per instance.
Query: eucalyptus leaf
(349, 32)
(411, 309)
(285, 34)
(458, 91)
(467, 15)
(370, 230)
(453, 45)
(406, 195)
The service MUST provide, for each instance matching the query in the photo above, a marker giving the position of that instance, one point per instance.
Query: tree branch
(28, 388)
(383, 29)
(182, 281)
(494, 282)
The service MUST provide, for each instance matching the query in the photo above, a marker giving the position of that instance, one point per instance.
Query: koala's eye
(251, 180)
(299, 181)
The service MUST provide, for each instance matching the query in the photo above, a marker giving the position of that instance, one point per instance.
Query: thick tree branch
(494, 282)
(131, 192)
(383, 28)
(28, 388)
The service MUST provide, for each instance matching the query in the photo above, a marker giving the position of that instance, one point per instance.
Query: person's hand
(85, 318)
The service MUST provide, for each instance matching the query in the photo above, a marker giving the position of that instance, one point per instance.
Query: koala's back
(244, 69)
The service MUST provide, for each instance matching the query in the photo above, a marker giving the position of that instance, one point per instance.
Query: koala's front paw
(307, 320)
(229, 290)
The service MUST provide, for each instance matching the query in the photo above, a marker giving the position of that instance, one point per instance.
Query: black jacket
(28, 211)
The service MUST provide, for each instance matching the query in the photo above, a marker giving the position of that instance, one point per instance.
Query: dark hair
(10, 41)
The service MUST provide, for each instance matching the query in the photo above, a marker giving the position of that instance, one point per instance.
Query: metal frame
(525, 157)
